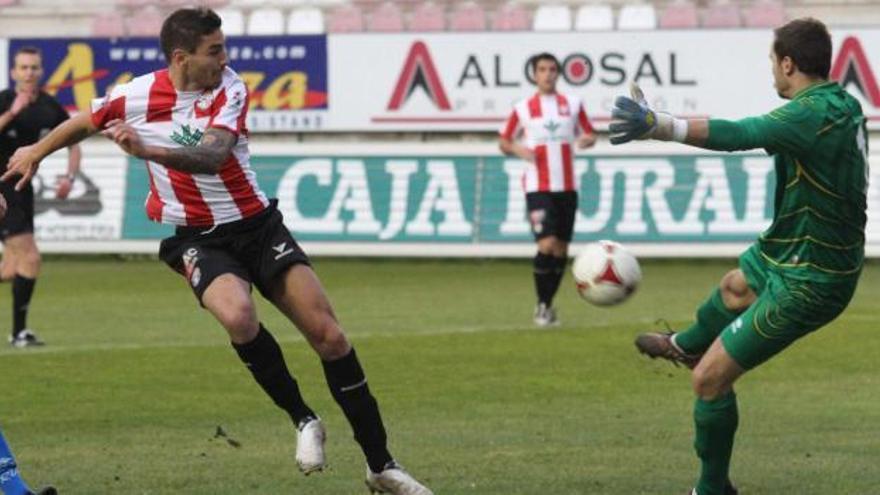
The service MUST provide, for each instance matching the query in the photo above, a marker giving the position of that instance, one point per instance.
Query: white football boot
(26, 338)
(394, 480)
(310, 438)
(545, 316)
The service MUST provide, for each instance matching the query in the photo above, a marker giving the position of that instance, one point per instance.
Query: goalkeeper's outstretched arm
(27, 159)
(634, 119)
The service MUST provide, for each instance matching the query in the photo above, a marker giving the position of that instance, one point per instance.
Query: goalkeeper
(802, 271)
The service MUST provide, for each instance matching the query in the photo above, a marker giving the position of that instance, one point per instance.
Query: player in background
(26, 114)
(188, 123)
(10, 481)
(802, 271)
(551, 124)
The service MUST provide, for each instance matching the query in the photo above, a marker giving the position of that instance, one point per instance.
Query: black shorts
(552, 213)
(257, 249)
(19, 217)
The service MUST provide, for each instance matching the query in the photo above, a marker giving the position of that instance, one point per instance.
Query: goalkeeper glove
(632, 118)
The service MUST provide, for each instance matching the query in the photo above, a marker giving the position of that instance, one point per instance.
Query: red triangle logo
(609, 275)
(851, 67)
(419, 72)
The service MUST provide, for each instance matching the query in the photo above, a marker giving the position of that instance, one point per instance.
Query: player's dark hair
(29, 50)
(807, 43)
(184, 29)
(544, 56)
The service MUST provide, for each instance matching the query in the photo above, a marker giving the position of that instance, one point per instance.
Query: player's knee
(735, 291)
(240, 320)
(329, 340)
(32, 260)
(706, 384)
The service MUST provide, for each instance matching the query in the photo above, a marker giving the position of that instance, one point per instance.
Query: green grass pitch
(136, 379)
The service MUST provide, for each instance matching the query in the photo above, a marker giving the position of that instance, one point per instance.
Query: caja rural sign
(460, 82)
(286, 75)
(699, 198)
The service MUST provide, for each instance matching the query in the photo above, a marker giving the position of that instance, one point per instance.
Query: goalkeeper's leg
(726, 302)
(10, 482)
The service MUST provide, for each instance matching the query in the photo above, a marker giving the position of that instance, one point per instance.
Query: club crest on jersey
(552, 126)
(187, 136)
(205, 101)
(564, 110)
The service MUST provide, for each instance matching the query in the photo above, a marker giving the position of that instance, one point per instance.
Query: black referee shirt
(34, 122)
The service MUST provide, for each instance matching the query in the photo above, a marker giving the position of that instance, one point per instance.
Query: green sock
(712, 317)
(716, 422)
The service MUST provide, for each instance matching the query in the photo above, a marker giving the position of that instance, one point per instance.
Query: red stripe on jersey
(240, 188)
(585, 124)
(154, 204)
(535, 107)
(242, 117)
(187, 192)
(512, 124)
(567, 167)
(543, 168)
(216, 105)
(109, 111)
(562, 106)
(162, 98)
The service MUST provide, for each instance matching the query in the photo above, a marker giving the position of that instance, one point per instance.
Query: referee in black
(26, 114)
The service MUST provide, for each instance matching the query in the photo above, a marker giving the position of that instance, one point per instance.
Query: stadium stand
(594, 18)
(722, 14)
(552, 18)
(109, 25)
(147, 22)
(511, 17)
(679, 15)
(387, 17)
(764, 14)
(266, 21)
(249, 4)
(637, 17)
(233, 21)
(467, 16)
(428, 16)
(345, 19)
(93, 17)
(306, 20)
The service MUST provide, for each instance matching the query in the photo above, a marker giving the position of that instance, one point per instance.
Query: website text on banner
(286, 75)
(455, 82)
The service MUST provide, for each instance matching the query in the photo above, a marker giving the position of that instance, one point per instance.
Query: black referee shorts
(19, 217)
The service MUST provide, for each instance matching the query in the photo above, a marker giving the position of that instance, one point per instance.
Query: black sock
(22, 289)
(264, 359)
(544, 271)
(349, 387)
(558, 273)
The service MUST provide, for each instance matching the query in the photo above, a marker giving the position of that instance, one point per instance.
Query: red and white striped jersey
(163, 116)
(550, 126)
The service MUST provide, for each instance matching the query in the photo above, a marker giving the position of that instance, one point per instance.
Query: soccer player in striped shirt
(803, 270)
(551, 125)
(188, 123)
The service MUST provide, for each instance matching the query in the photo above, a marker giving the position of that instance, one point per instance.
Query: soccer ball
(606, 273)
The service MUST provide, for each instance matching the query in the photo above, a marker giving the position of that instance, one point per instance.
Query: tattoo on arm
(205, 158)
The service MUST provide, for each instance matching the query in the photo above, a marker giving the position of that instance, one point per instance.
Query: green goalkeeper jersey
(819, 143)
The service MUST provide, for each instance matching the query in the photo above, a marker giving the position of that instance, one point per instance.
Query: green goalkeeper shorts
(786, 310)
